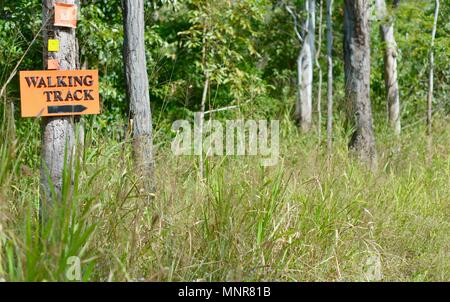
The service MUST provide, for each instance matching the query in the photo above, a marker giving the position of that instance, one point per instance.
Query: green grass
(301, 220)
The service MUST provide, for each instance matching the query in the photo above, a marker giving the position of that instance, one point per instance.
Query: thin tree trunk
(319, 89)
(203, 100)
(201, 124)
(330, 76)
(390, 65)
(58, 133)
(431, 76)
(357, 79)
(138, 90)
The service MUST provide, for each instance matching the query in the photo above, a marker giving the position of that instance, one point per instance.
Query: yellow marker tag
(53, 45)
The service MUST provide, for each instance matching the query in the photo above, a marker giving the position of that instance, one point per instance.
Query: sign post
(44, 94)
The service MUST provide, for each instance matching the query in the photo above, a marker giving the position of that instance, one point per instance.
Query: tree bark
(357, 79)
(319, 68)
(390, 65)
(58, 133)
(431, 75)
(330, 76)
(138, 90)
(303, 112)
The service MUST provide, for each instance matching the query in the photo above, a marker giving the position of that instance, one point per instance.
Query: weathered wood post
(58, 133)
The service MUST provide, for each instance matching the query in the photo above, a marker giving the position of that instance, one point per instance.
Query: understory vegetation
(307, 218)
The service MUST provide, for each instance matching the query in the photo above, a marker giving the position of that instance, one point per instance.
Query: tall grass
(302, 219)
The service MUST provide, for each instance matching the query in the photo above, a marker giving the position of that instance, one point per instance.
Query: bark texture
(58, 133)
(357, 79)
(390, 65)
(319, 68)
(305, 61)
(138, 89)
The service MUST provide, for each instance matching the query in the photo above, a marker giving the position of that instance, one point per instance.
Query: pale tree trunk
(138, 91)
(357, 79)
(304, 84)
(201, 124)
(303, 112)
(330, 76)
(58, 133)
(311, 10)
(319, 89)
(203, 100)
(390, 65)
(431, 76)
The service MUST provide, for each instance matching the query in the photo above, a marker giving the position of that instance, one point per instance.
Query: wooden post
(58, 133)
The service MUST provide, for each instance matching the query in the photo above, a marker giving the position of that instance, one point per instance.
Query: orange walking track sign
(59, 92)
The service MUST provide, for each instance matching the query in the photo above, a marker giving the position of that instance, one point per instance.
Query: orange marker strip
(52, 64)
(66, 15)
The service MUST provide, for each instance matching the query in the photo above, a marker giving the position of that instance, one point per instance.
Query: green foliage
(414, 47)
(218, 39)
(19, 24)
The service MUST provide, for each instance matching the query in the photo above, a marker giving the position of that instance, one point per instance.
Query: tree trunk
(138, 91)
(431, 76)
(311, 10)
(203, 100)
(330, 76)
(319, 68)
(201, 124)
(390, 65)
(357, 79)
(303, 112)
(58, 133)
